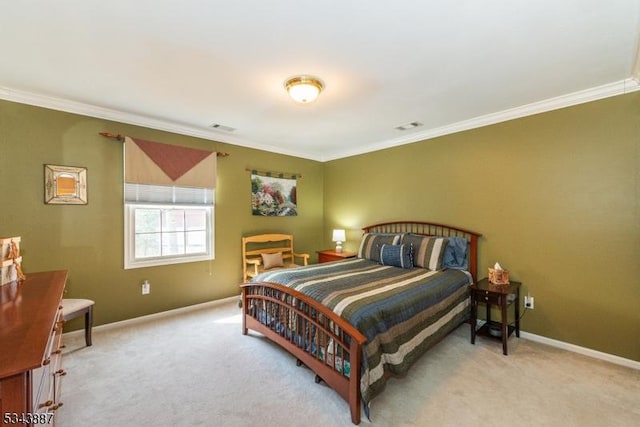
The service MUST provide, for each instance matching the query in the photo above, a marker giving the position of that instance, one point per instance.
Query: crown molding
(600, 92)
(75, 107)
(612, 89)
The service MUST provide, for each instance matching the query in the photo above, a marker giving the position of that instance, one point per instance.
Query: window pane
(147, 220)
(173, 243)
(196, 219)
(196, 242)
(173, 220)
(147, 245)
(167, 234)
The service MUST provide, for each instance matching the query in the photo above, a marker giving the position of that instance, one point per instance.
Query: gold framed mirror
(65, 185)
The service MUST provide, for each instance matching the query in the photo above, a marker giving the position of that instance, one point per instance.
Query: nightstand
(503, 296)
(331, 255)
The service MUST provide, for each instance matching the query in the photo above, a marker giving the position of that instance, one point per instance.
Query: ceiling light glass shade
(304, 89)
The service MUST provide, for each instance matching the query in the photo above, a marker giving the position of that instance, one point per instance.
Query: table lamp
(339, 237)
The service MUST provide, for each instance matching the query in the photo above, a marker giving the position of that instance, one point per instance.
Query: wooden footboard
(318, 337)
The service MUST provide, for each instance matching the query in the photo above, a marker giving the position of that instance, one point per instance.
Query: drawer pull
(46, 362)
(60, 372)
(45, 404)
(56, 406)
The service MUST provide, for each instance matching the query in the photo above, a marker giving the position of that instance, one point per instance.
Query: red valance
(148, 162)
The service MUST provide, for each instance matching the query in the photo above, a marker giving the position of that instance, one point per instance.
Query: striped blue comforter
(401, 312)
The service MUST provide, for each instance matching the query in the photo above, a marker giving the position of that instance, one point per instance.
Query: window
(168, 203)
(167, 225)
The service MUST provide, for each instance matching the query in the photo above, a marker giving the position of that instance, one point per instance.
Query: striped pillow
(371, 242)
(428, 251)
(396, 255)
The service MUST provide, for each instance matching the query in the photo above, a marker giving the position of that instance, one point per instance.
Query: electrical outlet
(146, 287)
(528, 302)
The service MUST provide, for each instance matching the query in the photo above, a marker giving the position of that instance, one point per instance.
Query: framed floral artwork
(273, 195)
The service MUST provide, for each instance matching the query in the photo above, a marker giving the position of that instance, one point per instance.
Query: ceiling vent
(409, 126)
(223, 128)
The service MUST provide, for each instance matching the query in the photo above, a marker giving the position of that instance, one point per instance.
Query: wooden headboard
(433, 229)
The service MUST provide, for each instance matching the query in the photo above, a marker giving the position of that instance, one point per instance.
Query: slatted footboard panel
(319, 338)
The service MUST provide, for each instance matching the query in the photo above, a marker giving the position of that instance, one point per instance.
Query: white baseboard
(160, 315)
(581, 350)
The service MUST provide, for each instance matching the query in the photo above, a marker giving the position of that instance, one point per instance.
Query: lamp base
(338, 247)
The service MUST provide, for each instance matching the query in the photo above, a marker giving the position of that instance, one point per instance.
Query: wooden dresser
(30, 355)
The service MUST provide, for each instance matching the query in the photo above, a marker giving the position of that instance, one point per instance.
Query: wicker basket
(498, 277)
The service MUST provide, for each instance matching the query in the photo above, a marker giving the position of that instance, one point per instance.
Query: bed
(357, 322)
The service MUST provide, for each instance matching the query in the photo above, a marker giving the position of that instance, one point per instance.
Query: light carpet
(197, 369)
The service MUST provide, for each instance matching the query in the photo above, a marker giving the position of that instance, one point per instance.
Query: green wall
(88, 240)
(555, 195)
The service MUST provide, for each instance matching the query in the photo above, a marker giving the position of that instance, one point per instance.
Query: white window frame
(131, 262)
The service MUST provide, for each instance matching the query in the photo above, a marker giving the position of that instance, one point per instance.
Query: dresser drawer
(331, 255)
(47, 379)
(328, 258)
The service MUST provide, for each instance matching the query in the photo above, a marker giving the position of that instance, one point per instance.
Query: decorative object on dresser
(265, 251)
(76, 307)
(65, 185)
(503, 296)
(328, 255)
(30, 338)
(339, 237)
(331, 316)
(10, 260)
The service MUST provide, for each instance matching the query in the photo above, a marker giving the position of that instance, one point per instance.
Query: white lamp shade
(339, 236)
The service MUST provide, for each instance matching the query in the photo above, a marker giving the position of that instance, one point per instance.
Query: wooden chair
(72, 308)
(254, 247)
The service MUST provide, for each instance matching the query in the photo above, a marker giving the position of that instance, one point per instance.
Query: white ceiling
(184, 65)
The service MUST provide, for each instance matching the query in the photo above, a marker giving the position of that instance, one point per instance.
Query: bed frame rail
(314, 334)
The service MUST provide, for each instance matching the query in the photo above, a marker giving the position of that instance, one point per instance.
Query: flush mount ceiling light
(304, 89)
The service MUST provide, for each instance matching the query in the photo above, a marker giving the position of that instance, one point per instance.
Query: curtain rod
(121, 139)
(273, 174)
